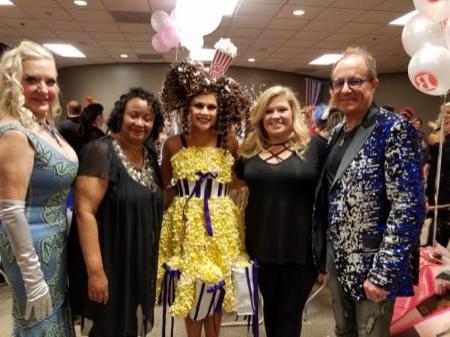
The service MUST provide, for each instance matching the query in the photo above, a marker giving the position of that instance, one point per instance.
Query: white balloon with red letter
(435, 10)
(420, 31)
(429, 70)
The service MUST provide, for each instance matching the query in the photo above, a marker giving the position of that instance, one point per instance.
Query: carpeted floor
(317, 323)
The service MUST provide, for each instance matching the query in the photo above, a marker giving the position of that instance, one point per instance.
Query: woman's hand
(98, 287)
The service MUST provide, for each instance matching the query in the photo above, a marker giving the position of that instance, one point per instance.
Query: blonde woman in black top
(280, 164)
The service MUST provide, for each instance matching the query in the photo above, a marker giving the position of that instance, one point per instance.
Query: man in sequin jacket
(369, 203)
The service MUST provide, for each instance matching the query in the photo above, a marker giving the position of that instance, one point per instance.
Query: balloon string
(438, 168)
(176, 54)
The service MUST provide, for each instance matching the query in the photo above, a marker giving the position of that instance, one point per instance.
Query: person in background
(407, 111)
(202, 233)
(37, 167)
(91, 121)
(68, 128)
(369, 203)
(113, 243)
(443, 213)
(281, 164)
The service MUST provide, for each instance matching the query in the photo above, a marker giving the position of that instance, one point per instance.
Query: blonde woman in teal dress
(37, 168)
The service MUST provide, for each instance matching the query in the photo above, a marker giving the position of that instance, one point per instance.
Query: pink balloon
(170, 36)
(159, 45)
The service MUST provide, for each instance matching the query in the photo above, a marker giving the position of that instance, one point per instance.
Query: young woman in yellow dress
(202, 233)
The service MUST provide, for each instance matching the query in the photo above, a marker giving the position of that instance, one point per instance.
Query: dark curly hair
(116, 118)
(186, 80)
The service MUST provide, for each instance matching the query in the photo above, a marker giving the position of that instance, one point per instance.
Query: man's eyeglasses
(353, 83)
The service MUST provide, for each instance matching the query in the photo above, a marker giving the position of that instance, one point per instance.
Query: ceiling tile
(136, 28)
(48, 13)
(138, 37)
(339, 14)
(236, 32)
(366, 4)
(397, 6)
(256, 9)
(62, 25)
(362, 28)
(91, 4)
(23, 23)
(91, 16)
(128, 5)
(115, 44)
(342, 37)
(107, 36)
(5, 31)
(13, 12)
(277, 34)
(102, 27)
(249, 22)
(323, 26)
(377, 17)
(311, 2)
(291, 24)
(42, 3)
(37, 33)
(310, 36)
(73, 35)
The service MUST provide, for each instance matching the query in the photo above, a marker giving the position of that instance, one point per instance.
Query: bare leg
(212, 325)
(193, 328)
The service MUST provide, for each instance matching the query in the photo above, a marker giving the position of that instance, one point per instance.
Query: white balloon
(199, 17)
(429, 70)
(159, 20)
(419, 31)
(192, 42)
(435, 10)
(447, 33)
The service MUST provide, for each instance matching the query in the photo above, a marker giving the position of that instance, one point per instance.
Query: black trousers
(285, 289)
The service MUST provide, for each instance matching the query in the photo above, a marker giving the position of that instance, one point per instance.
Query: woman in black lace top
(280, 165)
(113, 245)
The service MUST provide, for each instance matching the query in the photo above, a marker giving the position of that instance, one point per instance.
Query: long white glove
(39, 302)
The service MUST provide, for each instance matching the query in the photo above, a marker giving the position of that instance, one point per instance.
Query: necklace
(49, 129)
(346, 134)
(143, 175)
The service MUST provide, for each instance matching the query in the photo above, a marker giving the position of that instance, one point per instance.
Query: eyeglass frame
(358, 84)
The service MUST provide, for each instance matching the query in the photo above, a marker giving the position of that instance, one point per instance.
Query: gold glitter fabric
(185, 244)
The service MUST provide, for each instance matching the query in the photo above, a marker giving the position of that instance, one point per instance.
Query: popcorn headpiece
(225, 52)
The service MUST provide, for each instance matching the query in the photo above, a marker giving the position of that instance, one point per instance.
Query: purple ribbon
(207, 196)
(255, 298)
(219, 286)
(168, 296)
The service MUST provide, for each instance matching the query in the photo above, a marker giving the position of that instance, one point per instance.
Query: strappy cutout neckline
(272, 157)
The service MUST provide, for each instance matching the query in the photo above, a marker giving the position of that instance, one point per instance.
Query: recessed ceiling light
(298, 12)
(402, 20)
(80, 2)
(202, 54)
(326, 59)
(64, 49)
(251, 60)
(124, 56)
(6, 3)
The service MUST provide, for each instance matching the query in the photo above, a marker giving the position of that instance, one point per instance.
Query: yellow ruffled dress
(185, 244)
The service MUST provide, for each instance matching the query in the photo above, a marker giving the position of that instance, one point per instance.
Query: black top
(444, 187)
(129, 221)
(278, 216)
(68, 128)
(91, 134)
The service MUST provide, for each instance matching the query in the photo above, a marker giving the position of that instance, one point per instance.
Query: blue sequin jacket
(374, 209)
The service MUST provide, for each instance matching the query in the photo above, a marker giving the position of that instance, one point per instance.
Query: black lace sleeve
(96, 159)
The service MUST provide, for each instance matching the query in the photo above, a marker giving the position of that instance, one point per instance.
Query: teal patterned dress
(46, 214)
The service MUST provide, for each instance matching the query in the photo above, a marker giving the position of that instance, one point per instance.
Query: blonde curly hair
(12, 99)
(257, 139)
